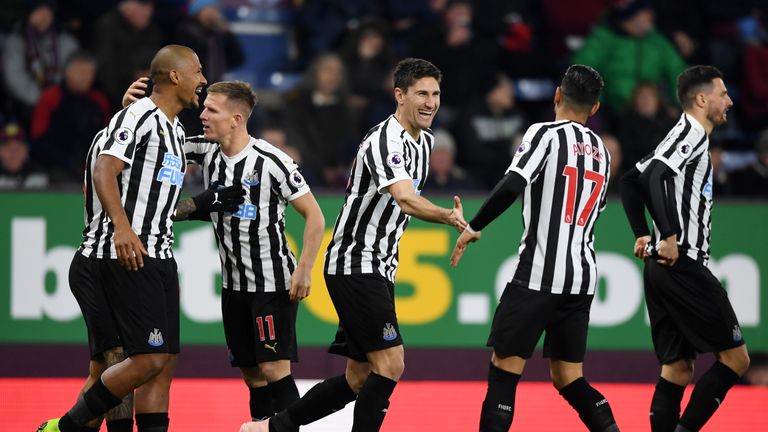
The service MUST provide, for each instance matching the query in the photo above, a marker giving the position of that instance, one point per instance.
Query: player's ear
(557, 96)
(399, 95)
(595, 107)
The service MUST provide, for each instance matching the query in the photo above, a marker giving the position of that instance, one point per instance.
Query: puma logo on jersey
(273, 347)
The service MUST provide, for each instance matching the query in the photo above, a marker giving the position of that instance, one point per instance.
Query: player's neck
(169, 105)
(413, 131)
(235, 142)
(567, 114)
(701, 117)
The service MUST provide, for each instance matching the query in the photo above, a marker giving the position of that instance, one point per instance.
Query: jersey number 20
(571, 174)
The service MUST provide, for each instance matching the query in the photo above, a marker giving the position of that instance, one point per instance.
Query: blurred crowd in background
(323, 72)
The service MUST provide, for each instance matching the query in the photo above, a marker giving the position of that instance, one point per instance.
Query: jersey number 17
(571, 174)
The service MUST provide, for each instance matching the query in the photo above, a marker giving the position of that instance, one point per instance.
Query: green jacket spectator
(626, 50)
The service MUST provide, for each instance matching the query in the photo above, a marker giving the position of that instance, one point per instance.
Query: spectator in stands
(34, 55)
(368, 60)
(208, 34)
(644, 123)
(323, 24)
(613, 147)
(444, 175)
(754, 85)
(566, 27)
(721, 178)
(17, 171)
(486, 132)
(123, 41)
(66, 119)
(626, 49)
(318, 121)
(753, 180)
(462, 57)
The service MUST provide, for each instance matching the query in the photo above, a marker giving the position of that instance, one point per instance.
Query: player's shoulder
(537, 131)
(271, 154)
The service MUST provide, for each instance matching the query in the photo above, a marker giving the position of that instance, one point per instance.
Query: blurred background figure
(66, 118)
(627, 50)
(124, 41)
(486, 131)
(34, 55)
(207, 32)
(444, 175)
(721, 178)
(613, 146)
(318, 121)
(643, 124)
(17, 171)
(369, 59)
(753, 180)
(454, 48)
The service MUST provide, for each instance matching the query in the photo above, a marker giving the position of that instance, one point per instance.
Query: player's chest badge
(251, 179)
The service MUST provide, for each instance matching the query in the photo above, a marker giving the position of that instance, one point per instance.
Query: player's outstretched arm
(130, 250)
(136, 91)
(420, 207)
(314, 225)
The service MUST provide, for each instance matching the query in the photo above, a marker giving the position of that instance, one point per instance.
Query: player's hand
(464, 239)
(130, 250)
(258, 426)
(218, 198)
(667, 251)
(456, 217)
(301, 280)
(136, 91)
(640, 245)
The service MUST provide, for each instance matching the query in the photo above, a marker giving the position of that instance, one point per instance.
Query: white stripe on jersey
(567, 168)
(150, 184)
(252, 246)
(367, 232)
(685, 150)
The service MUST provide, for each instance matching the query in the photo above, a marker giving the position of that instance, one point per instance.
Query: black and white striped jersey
(151, 146)
(567, 169)
(685, 150)
(367, 231)
(252, 247)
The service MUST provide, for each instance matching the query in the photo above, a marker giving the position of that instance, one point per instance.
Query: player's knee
(356, 379)
(275, 370)
(737, 359)
(679, 372)
(151, 365)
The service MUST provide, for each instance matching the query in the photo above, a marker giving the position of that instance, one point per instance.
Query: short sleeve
(532, 154)
(386, 162)
(291, 182)
(195, 149)
(677, 154)
(122, 135)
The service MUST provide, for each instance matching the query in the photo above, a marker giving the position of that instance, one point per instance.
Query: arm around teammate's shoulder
(419, 207)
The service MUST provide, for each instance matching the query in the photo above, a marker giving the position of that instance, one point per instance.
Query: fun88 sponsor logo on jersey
(171, 170)
(245, 211)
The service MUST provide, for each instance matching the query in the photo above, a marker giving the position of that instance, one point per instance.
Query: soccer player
(382, 195)
(561, 169)
(261, 279)
(688, 308)
(137, 177)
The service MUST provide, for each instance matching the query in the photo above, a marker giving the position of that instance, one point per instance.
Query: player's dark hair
(694, 80)
(581, 86)
(410, 70)
(238, 92)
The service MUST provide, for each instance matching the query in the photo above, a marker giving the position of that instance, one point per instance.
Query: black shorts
(145, 304)
(524, 314)
(689, 310)
(365, 304)
(86, 285)
(259, 327)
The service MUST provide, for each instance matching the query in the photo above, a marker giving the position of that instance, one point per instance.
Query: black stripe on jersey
(235, 229)
(427, 156)
(253, 231)
(170, 204)
(553, 233)
(198, 158)
(685, 202)
(93, 154)
(278, 163)
(383, 150)
(274, 238)
(702, 211)
(220, 232)
(359, 236)
(588, 235)
(381, 232)
(154, 189)
(286, 252)
(336, 225)
(535, 142)
(212, 165)
(673, 147)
